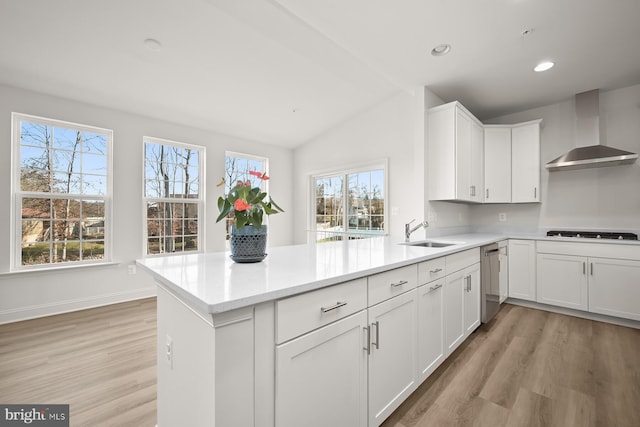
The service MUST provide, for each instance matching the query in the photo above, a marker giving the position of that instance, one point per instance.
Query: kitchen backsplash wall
(604, 198)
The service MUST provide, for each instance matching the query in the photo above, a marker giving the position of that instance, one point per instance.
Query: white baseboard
(59, 307)
(577, 313)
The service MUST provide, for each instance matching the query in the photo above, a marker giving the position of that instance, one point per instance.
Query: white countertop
(214, 283)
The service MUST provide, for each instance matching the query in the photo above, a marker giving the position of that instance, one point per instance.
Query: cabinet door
(562, 281)
(614, 287)
(525, 164)
(441, 152)
(463, 156)
(476, 162)
(453, 310)
(497, 165)
(471, 299)
(430, 327)
(522, 269)
(393, 359)
(324, 369)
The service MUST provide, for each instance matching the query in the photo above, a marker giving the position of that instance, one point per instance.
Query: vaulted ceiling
(284, 71)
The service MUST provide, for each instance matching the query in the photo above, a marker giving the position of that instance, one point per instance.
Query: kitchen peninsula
(338, 333)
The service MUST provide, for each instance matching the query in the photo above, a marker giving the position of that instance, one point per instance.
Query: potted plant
(246, 206)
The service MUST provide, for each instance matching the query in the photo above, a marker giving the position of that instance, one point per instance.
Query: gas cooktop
(593, 234)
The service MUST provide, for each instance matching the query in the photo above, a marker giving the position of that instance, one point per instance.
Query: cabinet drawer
(431, 270)
(302, 313)
(460, 260)
(383, 286)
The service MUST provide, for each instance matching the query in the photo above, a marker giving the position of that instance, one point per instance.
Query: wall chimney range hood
(588, 152)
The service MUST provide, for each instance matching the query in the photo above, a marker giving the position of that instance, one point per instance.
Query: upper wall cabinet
(455, 141)
(497, 164)
(525, 162)
(512, 163)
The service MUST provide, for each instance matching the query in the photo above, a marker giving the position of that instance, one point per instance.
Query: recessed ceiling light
(441, 49)
(543, 66)
(153, 44)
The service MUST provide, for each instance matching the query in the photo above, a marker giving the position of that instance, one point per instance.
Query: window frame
(201, 200)
(17, 194)
(312, 231)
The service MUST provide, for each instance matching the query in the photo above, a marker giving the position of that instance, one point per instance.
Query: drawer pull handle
(400, 283)
(368, 333)
(437, 270)
(435, 288)
(377, 343)
(333, 307)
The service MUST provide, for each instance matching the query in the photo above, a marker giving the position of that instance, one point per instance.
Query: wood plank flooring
(102, 362)
(525, 368)
(533, 368)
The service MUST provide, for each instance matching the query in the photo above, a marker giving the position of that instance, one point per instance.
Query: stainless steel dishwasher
(490, 281)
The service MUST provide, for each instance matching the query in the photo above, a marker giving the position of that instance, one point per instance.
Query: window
(62, 192)
(349, 204)
(237, 167)
(173, 196)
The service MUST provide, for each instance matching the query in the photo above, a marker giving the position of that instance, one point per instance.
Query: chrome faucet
(408, 230)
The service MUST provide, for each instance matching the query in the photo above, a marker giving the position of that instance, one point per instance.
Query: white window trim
(201, 200)
(344, 170)
(16, 216)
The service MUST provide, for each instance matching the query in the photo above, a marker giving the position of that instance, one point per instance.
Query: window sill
(65, 268)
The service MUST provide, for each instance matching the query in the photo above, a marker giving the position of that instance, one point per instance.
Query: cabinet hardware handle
(437, 270)
(377, 343)
(368, 347)
(333, 307)
(591, 267)
(434, 288)
(468, 283)
(487, 193)
(499, 264)
(400, 283)
(584, 268)
(535, 192)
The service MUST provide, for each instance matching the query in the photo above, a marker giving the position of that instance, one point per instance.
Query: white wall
(33, 294)
(395, 130)
(604, 198)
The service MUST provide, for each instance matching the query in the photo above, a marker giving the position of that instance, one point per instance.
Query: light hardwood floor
(525, 368)
(102, 362)
(533, 368)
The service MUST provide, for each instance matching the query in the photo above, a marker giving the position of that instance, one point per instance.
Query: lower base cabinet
(614, 287)
(462, 306)
(323, 369)
(562, 281)
(393, 355)
(430, 327)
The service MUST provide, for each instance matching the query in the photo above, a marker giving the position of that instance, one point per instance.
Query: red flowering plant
(246, 204)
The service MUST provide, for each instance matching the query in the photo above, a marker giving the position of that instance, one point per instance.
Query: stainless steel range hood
(588, 152)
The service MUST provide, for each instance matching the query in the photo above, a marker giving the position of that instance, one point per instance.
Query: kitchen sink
(429, 244)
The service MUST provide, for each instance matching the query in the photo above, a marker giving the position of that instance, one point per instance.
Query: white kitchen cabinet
(393, 355)
(562, 281)
(503, 270)
(614, 287)
(430, 327)
(522, 269)
(525, 162)
(455, 154)
(461, 297)
(598, 277)
(471, 299)
(497, 164)
(321, 377)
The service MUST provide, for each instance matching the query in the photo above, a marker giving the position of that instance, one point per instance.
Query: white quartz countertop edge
(212, 283)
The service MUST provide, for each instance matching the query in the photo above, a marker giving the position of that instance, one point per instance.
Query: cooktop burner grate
(593, 234)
